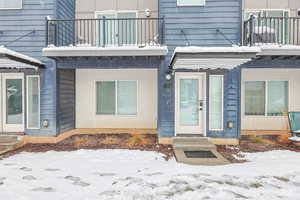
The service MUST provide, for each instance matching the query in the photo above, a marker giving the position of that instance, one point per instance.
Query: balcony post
(104, 31)
(163, 30)
(251, 30)
(47, 32)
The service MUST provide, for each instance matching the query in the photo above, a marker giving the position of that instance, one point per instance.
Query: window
(266, 98)
(190, 2)
(255, 98)
(33, 102)
(14, 101)
(216, 102)
(277, 98)
(117, 32)
(116, 97)
(10, 4)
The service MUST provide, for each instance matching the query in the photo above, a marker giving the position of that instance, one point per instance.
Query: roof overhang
(279, 50)
(105, 51)
(195, 58)
(11, 59)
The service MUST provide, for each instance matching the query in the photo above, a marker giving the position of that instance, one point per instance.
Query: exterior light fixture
(169, 74)
(148, 12)
(168, 77)
(230, 124)
(45, 123)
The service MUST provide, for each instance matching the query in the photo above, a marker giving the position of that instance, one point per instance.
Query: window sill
(11, 8)
(190, 5)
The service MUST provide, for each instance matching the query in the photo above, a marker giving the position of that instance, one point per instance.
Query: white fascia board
(277, 50)
(234, 49)
(104, 51)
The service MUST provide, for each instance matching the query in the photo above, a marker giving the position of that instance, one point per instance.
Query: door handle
(200, 105)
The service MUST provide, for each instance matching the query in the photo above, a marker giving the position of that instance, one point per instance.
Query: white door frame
(12, 127)
(1, 110)
(180, 75)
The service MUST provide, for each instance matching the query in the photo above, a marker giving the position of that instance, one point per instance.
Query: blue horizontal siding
(15, 24)
(199, 24)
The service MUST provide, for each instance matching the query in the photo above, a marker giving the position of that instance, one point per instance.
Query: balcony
(279, 31)
(105, 32)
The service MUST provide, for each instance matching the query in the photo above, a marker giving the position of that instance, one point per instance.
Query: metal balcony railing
(105, 32)
(260, 31)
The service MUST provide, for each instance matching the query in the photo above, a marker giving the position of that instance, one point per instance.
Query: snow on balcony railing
(260, 31)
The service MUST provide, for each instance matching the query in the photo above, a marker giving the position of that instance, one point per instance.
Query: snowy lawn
(124, 174)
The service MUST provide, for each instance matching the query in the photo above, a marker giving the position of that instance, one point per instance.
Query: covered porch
(19, 92)
(270, 90)
(101, 91)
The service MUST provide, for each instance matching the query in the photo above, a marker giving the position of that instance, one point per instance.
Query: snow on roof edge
(6, 51)
(83, 47)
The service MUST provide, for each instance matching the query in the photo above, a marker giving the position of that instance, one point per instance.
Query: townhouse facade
(28, 79)
(270, 83)
(200, 68)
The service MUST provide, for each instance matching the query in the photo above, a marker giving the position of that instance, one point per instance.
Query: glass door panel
(14, 101)
(190, 103)
(127, 28)
(189, 95)
(107, 30)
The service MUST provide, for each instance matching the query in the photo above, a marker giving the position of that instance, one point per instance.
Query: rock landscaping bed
(254, 144)
(249, 144)
(103, 141)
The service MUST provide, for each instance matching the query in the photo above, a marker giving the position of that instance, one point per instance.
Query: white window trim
(116, 102)
(266, 97)
(20, 8)
(183, 5)
(27, 101)
(222, 111)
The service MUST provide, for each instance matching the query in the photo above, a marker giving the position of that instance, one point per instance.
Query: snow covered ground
(137, 175)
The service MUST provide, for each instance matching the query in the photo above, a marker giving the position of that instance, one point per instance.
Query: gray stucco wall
(291, 5)
(87, 8)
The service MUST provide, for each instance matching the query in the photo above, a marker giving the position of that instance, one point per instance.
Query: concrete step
(8, 138)
(197, 151)
(193, 143)
(10, 143)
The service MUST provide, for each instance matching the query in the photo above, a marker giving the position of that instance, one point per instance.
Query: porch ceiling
(212, 57)
(12, 59)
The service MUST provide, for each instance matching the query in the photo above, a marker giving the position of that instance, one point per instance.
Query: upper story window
(266, 13)
(190, 2)
(11, 4)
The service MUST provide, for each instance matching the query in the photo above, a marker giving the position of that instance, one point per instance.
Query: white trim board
(222, 109)
(27, 96)
(105, 51)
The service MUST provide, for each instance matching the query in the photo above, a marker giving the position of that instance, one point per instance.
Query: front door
(12, 102)
(190, 101)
